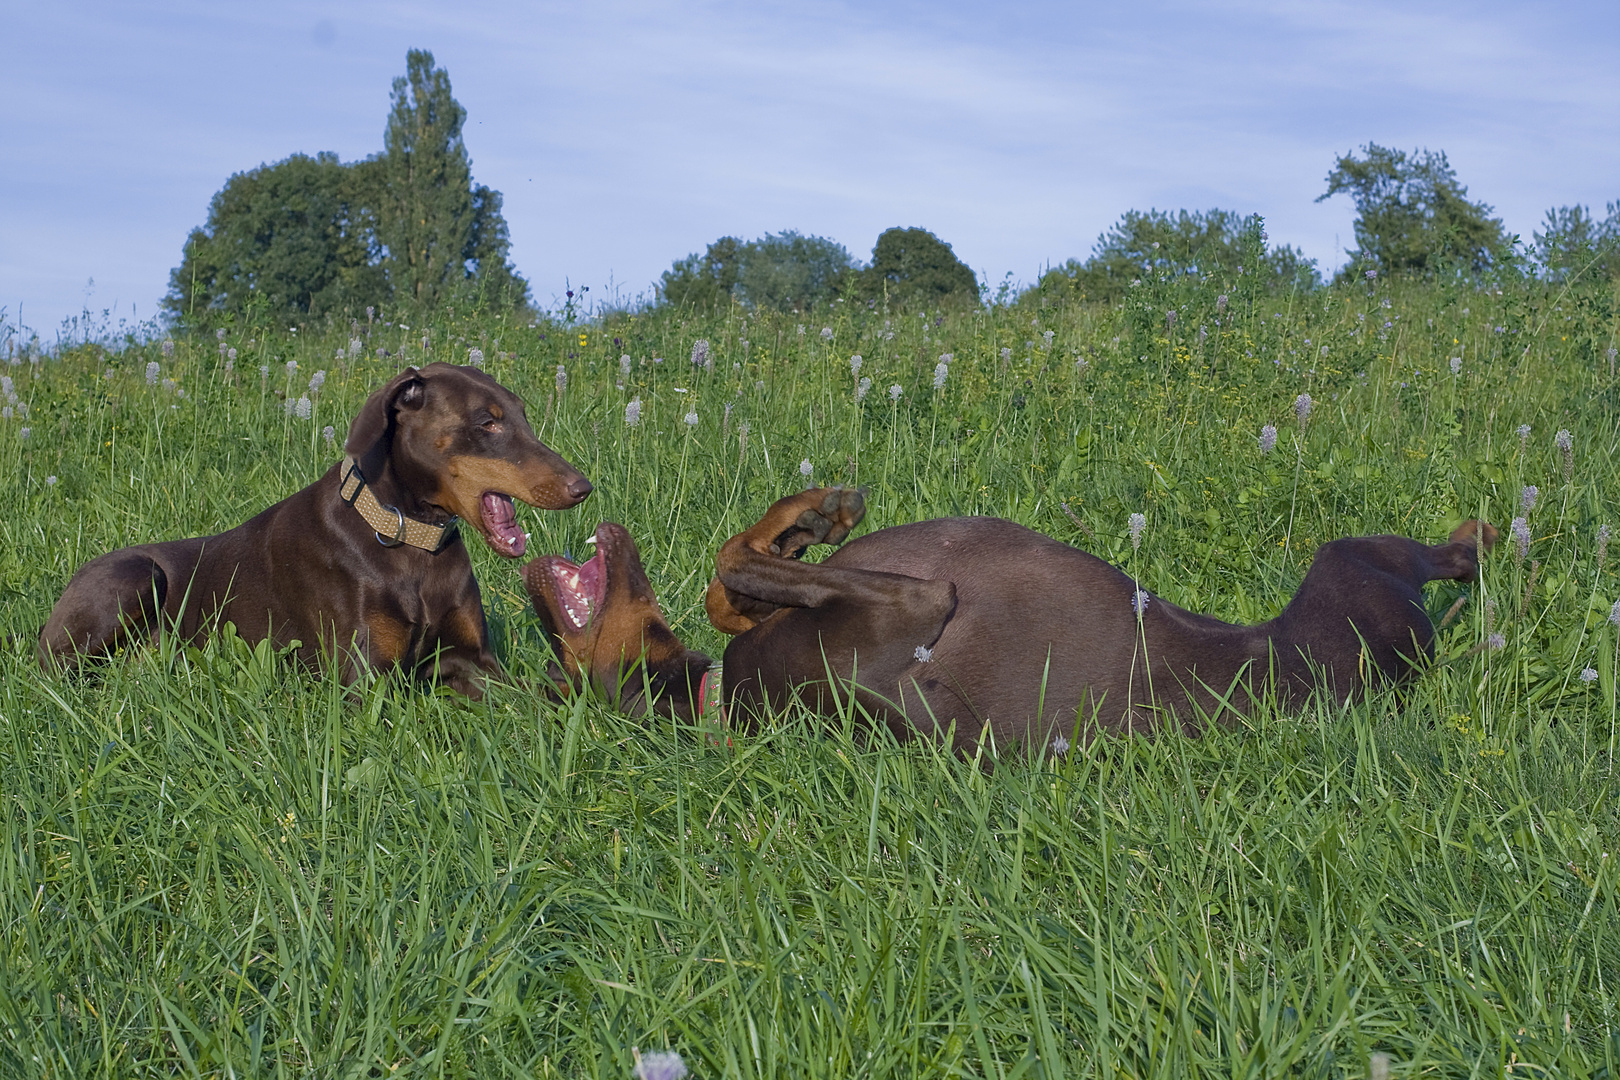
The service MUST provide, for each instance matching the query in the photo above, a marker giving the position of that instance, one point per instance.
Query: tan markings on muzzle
(532, 482)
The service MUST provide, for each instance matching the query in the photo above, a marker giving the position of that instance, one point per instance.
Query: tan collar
(393, 528)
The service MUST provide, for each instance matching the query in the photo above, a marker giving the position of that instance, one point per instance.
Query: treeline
(309, 236)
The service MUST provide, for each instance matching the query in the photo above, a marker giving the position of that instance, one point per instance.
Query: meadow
(218, 865)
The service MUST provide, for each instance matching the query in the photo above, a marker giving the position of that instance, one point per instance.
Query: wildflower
(1520, 531)
(865, 385)
(1566, 446)
(895, 392)
(475, 357)
(1006, 355)
(1324, 350)
(152, 370)
(941, 370)
(7, 413)
(8, 388)
(316, 381)
(424, 343)
(1048, 335)
(700, 355)
(23, 433)
(1528, 497)
(303, 408)
(1456, 365)
(1602, 544)
(292, 368)
(1139, 601)
(264, 371)
(1372, 275)
(632, 413)
(168, 386)
(1302, 408)
(1589, 675)
(1495, 642)
(661, 1065)
(923, 653)
(855, 364)
(624, 366)
(168, 348)
(329, 435)
(801, 330)
(356, 347)
(1080, 365)
(1614, 614)
(826, 333)
(1060, 746)
(691, 419)
(50, 481)
(1137, 523)
(561, 379)
(1170, 319)
(1524, 435)
(1220, 304)
(805, 468)
(1268, 440)
(222, 350)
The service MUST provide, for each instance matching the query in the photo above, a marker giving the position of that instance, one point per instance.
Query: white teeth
(526, 535)
(591, 539)
(512, 541)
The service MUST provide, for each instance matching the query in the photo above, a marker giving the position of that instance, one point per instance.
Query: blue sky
(626, 135)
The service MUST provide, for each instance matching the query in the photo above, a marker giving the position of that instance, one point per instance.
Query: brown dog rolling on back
(984, 626)
(366, 562)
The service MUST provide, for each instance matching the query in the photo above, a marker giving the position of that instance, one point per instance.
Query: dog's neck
(389, 517)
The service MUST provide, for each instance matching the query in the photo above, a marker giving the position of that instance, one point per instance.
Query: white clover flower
(826, 333)
(632, 412)
(1302, 408)
(923, 653)
(152, 370)
(691, 419)
(895, 392)
(660, 1065)
(1268, 441)
(805, 468)
(1589, 674)
(1137, 523)
(475, 357)
(860, 390)
(303, 408)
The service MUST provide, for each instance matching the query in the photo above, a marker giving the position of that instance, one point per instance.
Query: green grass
(216, 865)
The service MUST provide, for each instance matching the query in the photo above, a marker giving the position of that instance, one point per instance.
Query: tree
(1572, 242)
(785, 271)
(296, 234)
(1183, 245)
(1412, 215)
(914, 267)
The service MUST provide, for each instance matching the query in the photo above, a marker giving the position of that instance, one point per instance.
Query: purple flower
(941, 370)
(632, 412)
(1495, 642)
(1564, 441)
(1136, 523)
(1456, 365)
(1220, 303)
(855, 364)
(168, 348)
(1614, 614)
(152, 370)
(475, 357)
(1589, 675)
(1139, 601)
(865, 385)
(1520, 529)
(562, 378)
(329, 435)
(303, 408)
(1268, 439)
(1169, 319)
(1302, 408)
(660, 1065)
(923, 653)
(1372, 275)
(1060, 746)
(1528, 497)
(1523, 432)
(316, 381)
(701, 356)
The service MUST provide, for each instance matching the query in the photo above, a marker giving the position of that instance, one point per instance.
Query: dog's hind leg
(111, 600)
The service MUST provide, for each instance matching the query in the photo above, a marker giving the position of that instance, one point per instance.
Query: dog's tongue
(500, 523)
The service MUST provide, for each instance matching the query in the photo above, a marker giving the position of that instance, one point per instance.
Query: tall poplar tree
(444, 238)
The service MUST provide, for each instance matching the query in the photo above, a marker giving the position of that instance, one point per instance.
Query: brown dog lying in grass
(365, 562)
(982, 626)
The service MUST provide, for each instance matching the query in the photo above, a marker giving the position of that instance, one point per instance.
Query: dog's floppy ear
(370, 432)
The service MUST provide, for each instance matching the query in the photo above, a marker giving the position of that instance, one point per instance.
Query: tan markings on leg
(390, 638)
(723, 615)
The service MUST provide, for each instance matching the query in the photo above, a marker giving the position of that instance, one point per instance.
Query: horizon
(626, 138)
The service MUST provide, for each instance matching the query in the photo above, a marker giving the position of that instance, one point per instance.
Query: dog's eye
(492, 426)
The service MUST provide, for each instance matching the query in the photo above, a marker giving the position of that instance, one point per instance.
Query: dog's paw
(826, 516)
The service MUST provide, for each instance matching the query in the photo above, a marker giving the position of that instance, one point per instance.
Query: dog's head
(605, 625)
(456, 440)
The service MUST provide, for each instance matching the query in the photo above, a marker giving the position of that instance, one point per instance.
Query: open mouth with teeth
(498, 517)
(578, 589)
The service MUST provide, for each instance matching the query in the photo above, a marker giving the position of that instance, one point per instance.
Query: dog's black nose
(579, 489)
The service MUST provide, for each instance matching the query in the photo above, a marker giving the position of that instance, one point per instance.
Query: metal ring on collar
(399, 536)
